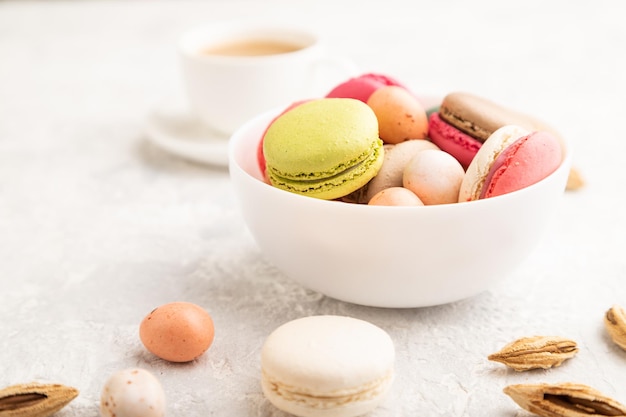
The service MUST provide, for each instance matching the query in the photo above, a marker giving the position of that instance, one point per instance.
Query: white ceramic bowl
(389, 256)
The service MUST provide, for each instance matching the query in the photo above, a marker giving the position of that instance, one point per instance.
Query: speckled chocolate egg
(400, 115)
(435, 176)
(132, 392)
(177, 332)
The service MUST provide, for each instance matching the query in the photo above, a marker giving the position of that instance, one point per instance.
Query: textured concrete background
(98, 226)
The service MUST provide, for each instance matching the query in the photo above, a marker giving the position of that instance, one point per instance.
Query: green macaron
(325, 148)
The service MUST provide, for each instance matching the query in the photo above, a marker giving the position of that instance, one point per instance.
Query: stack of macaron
(371, 140)
(463, 122)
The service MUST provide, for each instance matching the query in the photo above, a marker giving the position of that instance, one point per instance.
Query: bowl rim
(239, 136)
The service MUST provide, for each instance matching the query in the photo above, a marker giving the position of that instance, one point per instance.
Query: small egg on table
(132, 392)
(177, 332)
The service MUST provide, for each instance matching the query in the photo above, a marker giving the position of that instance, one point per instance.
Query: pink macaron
(511, 159)
(526, 161)
(450, 139)
(362, 87)
(464, 121)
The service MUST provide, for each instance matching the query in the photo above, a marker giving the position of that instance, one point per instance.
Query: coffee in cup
(252, 47)
(234, 71)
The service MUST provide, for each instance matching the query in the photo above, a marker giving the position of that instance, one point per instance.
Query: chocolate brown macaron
(479, 117)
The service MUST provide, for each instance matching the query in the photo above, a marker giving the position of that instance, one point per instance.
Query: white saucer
(174, 129)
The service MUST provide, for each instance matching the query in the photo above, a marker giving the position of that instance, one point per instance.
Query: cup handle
(330, 71)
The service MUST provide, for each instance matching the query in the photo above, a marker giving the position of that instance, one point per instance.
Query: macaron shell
(362, 87)
(478, 116)
(479, 168)
(327, 366)
(325, 148)
(335, 186)
(525, 162)
(260, 155)
(450, 139)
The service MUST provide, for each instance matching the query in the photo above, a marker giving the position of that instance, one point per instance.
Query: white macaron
(478, 170)
(327, 366)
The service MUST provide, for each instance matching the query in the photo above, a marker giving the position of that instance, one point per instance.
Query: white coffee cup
(234, 71)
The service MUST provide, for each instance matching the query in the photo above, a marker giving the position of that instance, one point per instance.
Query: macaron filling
(321, 184)
(331, 399)
(464, 125)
